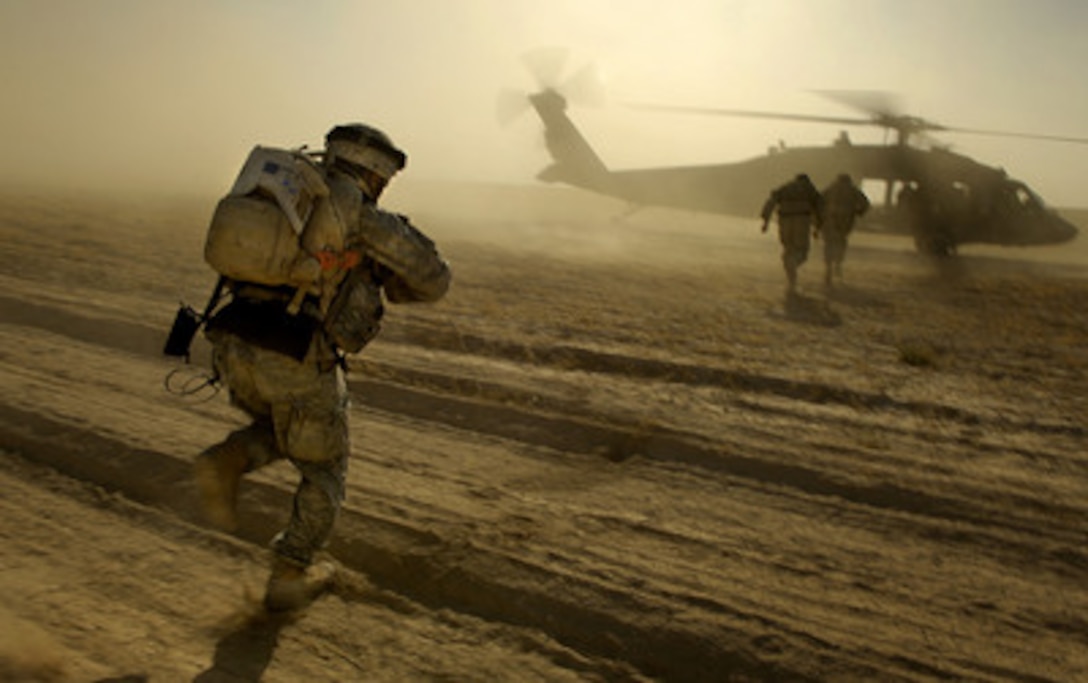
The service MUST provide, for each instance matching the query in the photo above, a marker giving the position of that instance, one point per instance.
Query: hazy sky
(146, 93)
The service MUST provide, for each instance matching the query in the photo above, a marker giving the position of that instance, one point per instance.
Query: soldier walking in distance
(280, 348)
(798, 208)
(843, 203)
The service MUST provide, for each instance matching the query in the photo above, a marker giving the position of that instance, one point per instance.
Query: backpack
(257, 234)
(255, 229)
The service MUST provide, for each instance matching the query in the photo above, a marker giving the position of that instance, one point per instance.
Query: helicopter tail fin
(574, 161)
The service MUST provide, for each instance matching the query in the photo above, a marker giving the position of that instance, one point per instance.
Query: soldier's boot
(292, 586)
(218, 472)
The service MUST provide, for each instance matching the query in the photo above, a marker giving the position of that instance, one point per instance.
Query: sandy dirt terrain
(615, 452)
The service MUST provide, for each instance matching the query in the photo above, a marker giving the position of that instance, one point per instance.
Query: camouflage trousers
(299, 412)
(793, 233)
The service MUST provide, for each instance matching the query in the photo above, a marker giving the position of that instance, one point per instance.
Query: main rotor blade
(886, 107)
(1012, 134)
(886, 110)
(878, 103)
(746, 113)
(884, 116)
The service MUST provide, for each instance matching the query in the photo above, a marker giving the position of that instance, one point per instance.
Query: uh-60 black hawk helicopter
(940, 198)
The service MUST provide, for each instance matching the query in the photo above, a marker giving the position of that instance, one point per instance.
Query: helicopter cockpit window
(1017, 197)
(1029, 199)
(1025, 198)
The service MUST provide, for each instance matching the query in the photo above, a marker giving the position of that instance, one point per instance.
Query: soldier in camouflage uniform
(843, 203)
(798, 207)
(287, 371)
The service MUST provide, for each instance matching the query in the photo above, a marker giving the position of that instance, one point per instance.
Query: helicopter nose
(1064, 231)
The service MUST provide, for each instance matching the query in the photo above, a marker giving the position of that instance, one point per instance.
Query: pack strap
(213, 300)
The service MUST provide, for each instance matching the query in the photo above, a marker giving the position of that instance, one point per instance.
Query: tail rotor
(547, 66)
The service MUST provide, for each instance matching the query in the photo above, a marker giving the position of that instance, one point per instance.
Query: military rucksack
(255, 231)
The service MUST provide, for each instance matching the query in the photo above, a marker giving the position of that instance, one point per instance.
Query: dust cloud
(129, 97)
(101, 97)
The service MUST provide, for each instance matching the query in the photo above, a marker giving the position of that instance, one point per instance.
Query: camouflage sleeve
(768, 207)
(418, 273)
(863, 203)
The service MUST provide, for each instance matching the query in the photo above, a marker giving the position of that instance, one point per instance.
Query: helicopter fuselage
(963, 200)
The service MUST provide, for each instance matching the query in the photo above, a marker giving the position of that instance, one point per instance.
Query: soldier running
(798, 207)
(843, 203)
(286, 371)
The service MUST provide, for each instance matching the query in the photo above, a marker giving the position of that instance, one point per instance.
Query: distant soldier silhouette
(843, 202)
(798, 208)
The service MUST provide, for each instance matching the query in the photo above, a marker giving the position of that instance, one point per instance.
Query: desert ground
(614, 452)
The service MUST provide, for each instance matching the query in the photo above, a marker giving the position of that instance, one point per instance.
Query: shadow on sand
(810, 310)
(854, 297)
(245, 652)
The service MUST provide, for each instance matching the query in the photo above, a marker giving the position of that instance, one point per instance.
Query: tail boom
(574, 161)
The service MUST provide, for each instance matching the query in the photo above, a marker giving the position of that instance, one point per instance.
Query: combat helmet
(365, 153)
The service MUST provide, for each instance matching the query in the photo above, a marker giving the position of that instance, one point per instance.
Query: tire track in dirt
(592, 614)
(578, 359)
(510, 413)
(965, 519)
(139, 338)
(500, 584)
(119, 567)
(488, 582)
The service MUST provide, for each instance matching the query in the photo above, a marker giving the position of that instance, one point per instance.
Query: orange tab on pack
(330, 260)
